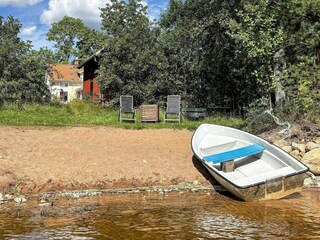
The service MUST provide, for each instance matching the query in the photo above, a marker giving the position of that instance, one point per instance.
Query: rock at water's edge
(311, 145)
(312, 160)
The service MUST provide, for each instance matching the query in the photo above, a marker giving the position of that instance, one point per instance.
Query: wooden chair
(173, 108)
(126, 111)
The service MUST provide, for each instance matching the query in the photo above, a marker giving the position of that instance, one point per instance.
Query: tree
(302, 76)
(91, 42)
(69, 35)
(202, 61)
(176, 43)
(22, 71)
(36, 64)
(281, 41)
(130, 63)
(12, 49)
(259, 36)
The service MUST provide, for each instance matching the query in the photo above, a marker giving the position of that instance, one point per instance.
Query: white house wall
(72, 88)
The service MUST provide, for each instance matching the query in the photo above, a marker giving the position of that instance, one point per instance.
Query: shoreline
(312, 183)
(90, 160)
(49, 197)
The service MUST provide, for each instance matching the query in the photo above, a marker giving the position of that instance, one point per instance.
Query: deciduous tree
(130, 63)
(74, 39)
(22, 71)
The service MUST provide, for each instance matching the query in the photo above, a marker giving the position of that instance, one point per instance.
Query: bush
(258, 121)
(2, 102)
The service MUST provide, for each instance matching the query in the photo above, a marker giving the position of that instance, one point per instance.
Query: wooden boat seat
(236, 153)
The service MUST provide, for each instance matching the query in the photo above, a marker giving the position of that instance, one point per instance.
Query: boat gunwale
(254, 184)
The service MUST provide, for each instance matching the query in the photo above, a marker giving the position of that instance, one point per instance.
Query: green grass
(80, 113)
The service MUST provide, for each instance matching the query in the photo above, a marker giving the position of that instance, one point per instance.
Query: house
(65, 81)
(90, 84)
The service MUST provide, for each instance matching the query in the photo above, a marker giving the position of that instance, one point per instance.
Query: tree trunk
(279, 67)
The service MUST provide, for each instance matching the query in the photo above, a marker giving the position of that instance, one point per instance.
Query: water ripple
(173, 216)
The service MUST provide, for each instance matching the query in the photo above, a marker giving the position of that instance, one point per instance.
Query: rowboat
(246, 165)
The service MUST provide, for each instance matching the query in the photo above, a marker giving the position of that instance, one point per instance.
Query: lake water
(187, 215)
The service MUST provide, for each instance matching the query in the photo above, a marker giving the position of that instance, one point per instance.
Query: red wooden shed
(90, 82)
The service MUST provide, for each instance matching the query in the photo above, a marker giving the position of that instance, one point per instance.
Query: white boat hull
(273, 174)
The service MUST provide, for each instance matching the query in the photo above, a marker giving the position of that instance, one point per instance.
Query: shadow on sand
(215, 184)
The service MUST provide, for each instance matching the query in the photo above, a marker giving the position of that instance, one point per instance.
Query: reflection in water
(171, 216)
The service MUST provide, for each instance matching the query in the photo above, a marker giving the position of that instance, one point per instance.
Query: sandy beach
(39, 159)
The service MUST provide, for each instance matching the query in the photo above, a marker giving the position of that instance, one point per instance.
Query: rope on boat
(277, 121)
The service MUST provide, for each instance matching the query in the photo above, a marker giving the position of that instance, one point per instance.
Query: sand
(42, 159)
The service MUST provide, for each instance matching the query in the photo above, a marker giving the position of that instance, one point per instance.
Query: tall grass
(79, 113)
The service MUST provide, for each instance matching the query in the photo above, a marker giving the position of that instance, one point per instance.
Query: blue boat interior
(236, 153)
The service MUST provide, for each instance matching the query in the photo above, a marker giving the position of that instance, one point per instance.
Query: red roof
(64, 72)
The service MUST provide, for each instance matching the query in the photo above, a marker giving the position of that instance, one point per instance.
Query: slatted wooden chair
(127, 111)
(173, 109)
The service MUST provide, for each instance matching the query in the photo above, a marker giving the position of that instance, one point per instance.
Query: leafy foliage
(264, 28)
(219, 53)
(259, 36)
(91, 42)
(302, 77)
(65, 33)
(21, 70)
(73, 39)
(204, 66)
(212, 53)
(129, 64)
(257, 119)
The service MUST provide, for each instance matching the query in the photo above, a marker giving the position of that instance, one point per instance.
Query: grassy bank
(88, 113)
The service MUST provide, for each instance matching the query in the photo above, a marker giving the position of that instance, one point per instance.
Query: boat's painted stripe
(233, 154)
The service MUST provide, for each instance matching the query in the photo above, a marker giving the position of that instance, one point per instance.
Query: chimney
(76, 62)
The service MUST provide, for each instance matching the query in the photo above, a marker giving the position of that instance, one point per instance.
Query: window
(63, 96)
(79, 95)
(81, 75)
(91, 88)
(64, 84)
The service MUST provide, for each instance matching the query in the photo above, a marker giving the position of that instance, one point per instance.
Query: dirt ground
(40, 159)
(303, 131)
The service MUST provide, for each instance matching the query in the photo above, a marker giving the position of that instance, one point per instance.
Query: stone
(317, 140)
(311, 175)
(311, 145)
(280, 143)
(3, 202)
(299, 146)
(45, 204)
(310, 183)
(295, 154)
(9, 196)
(312, 160)
(288, 149)
(20, 199)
